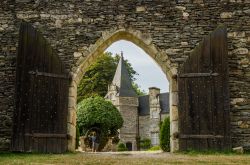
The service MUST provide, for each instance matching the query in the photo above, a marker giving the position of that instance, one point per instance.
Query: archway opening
(149, 72)
(158, 57)
(153, 97)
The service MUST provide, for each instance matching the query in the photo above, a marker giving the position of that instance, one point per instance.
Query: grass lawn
(120, 159)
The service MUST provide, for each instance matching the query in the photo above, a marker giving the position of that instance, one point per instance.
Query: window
(155, 138)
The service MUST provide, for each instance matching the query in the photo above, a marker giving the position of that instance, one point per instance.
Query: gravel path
(152, 154)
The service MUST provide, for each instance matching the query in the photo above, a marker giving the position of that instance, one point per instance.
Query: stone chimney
(154, 106)
(154, 91)
(154, 103)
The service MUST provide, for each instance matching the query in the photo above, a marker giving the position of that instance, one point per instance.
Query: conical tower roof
(123, 81)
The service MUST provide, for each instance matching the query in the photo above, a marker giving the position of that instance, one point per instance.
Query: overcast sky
(150, 74)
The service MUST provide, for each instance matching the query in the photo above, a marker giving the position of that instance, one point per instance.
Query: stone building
(141, 114)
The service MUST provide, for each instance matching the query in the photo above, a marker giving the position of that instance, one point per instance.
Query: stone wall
(127, 106)
(171, 29)
(146, 125)
(8, 49)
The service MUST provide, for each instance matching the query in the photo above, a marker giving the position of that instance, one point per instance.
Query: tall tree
(100, 74)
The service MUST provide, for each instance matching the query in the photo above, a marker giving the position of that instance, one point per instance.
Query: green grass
(192, 158)
(154, 148)
(211, 152)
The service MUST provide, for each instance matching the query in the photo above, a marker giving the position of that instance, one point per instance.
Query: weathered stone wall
(8, 48)
(172, 27)
(127, 106)
(146, 125)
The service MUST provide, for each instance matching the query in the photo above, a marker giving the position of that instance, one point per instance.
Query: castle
(141, 114)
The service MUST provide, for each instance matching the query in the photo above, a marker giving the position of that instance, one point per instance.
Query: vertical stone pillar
(154, 107)
(174, 116)
(154, 103)
(71, 120)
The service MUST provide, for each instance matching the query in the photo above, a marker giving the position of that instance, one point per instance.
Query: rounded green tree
(96, 112)
(165, 135)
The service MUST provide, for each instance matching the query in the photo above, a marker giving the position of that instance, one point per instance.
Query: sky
(150, 74)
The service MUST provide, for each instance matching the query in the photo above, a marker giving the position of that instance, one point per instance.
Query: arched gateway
(59, 40)
(202, 121)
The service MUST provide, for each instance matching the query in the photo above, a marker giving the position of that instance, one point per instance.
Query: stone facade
(149, 124)
(141, 114)
(136, 125)
(128, 109)
(167, 30)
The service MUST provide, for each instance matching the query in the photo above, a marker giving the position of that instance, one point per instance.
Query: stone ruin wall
(173, 27)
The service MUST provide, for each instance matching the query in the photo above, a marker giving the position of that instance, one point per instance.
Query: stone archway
(142, 40)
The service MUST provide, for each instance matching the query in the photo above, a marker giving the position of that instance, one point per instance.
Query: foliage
(115, 139)
(121, 147)
(100, 113)
(154, 148)
(77, 136)
(208, 152)
(145, 143)
(165, 135)
(160, 124)
(137, 89)
(100, 74)
(97, 77)
(104, 137)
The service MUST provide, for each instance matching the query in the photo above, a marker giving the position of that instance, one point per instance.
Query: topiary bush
(100, 113)
(165, 135)
(121, 147)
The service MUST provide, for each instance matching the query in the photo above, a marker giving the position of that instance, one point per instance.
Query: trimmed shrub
(122, 147)
(165, 135)
(99, 113)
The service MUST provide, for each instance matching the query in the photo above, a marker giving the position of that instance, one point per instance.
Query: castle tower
(123, 96)
(155, 118)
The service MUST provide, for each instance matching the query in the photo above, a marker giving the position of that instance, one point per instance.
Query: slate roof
(122, 80)
(143, 108)
(164, 102)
